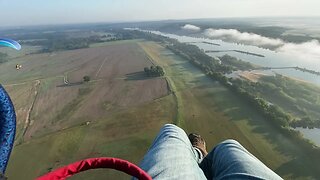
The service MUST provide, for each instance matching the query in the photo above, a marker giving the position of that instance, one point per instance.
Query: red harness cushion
(95, 163)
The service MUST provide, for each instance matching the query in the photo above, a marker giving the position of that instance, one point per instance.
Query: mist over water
(307, 52)
(243, 37)
(291, 55)
(191, 27)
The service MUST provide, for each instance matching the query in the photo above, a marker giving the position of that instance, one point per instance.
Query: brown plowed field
(119, 104)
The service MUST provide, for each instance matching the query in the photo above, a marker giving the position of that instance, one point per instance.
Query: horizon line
(8, 27)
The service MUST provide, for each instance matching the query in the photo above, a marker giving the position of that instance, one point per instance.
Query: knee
(172, 130)
(171, 127)
(230, 142)
(228, 145)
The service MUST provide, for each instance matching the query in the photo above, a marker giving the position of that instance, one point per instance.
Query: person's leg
(230, 160)
(172, 156)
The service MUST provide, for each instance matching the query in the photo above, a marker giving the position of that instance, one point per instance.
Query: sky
(44, 12)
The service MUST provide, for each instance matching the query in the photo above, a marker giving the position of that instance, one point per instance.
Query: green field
(125, 115)
(215, 112)
(300, 99)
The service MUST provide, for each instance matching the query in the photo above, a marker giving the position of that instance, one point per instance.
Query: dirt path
(28, 81)
(97, 74)
(65, 76)
(28, 119)
(16, 84)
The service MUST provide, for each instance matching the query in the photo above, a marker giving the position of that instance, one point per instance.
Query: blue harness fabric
(7, 128)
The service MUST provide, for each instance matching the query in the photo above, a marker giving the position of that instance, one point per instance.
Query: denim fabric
(172, 156)
(230, 160)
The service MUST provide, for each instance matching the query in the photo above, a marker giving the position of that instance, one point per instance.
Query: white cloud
(243, 37)
(191, 27)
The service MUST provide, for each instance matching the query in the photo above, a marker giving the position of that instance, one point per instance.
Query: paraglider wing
(10, 43)
(7, 128)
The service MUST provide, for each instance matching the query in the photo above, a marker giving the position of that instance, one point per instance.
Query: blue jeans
(172, 156)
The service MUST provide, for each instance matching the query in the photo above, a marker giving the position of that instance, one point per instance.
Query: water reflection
(270, 58)
(312, 134)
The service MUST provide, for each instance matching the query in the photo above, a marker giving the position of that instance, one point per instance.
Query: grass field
(125, 112)
(218, 114)
(297, 98)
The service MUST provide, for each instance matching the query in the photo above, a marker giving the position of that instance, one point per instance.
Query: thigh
(172, 156)
(230, 160)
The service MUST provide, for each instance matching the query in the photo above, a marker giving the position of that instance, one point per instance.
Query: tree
(159, 71)
(154, 71)
(86, 78)
(146, 69)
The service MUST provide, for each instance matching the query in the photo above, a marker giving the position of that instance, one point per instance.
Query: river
(270, 59)
(266, 58)
(312, 134)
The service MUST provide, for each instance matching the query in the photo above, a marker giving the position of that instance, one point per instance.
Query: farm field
(116, 114)
(119, 112)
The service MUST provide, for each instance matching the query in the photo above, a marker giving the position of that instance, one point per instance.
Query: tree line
(59, 41)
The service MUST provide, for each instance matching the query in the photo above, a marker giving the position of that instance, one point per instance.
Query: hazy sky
(33, 12)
